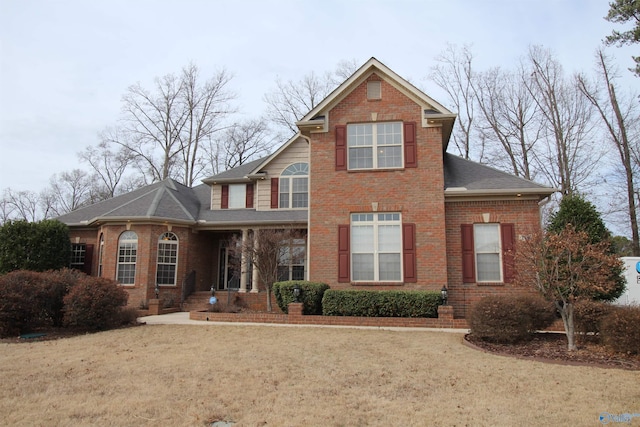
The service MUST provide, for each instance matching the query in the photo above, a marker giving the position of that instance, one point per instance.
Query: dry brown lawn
(188, 375)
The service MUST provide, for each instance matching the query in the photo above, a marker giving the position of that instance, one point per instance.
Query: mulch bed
(552, 348)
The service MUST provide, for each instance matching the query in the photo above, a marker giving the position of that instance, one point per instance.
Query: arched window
(167, 259)
(294, 186)
(100, 254)
(127, 255)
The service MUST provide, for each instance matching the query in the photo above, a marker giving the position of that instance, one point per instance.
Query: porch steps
(197, 301)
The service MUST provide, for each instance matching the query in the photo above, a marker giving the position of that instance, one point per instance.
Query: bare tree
(508, 120)
(289, 101)
(454, 74)
(569, 154)
(70, 190)
(617, 124)
(108, 165)
(206, 106)
(265, 250)
(24, 205)
(245, 141)
(164, 127)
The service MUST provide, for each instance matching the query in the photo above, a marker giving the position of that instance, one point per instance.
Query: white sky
(64, 65)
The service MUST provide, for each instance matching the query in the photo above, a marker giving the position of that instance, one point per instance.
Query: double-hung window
(375, 145)
(293, 186)
(487, 249)
(376, 247)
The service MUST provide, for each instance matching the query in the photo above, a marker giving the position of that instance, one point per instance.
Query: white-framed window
(78, 252)
(167, 259)
(100, 254)
(376, 247)
(292, 260)
(486, 238)
(127, 257)
(237, 196)
(375, 145)
(293, 186)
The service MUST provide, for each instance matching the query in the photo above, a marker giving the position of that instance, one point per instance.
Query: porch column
(255, 277)
(243, 263)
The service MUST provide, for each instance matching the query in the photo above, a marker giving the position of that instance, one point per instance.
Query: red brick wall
(417, 193)
(525, 214)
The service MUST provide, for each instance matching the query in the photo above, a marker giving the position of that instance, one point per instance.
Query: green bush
(510, 319)
(311, 294)
(381, 303)
(620, 330)
(34, 246)
(94, 303)
(587, 316)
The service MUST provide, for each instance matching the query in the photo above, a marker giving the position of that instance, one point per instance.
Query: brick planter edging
(403, 322)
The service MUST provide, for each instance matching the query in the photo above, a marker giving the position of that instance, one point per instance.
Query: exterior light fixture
(445, 294)
(296, 293)
(157, 289)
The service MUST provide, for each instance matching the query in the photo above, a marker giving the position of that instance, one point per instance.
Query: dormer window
(236, 196)
(294, 186)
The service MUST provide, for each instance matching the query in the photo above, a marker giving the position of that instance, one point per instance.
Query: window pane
(362, 239)
(389, 157)
(297, 272)
(166, 274)
(360, 135)
(487, 238)
(360, 158)
(237, 196)
(389, 239)
(488, 267)
(363, 267)
(389, 267)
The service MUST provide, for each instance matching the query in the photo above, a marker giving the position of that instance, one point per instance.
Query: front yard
(294, 376)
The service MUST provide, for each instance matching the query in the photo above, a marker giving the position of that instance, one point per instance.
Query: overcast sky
(64, 65)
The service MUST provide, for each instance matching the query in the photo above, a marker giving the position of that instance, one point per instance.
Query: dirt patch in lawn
(552, 347)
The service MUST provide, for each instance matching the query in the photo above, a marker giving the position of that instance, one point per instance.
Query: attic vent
(374, 90)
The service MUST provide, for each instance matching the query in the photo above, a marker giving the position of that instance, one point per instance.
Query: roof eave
(542, 193)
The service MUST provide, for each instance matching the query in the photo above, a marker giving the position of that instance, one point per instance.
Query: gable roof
(433, 113)
(467, 178)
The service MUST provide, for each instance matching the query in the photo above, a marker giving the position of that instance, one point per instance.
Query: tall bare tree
(618, 122)
(454, 74)
(508, 119)
(569, 154)
(108, 165)
(290, 100)
(164, 127)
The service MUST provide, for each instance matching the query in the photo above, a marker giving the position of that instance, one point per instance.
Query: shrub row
(381, 303)
(505, 319)
(510, 319)
(310, 295)
(29, 300)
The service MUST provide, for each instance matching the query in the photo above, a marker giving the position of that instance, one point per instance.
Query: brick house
(369, 182)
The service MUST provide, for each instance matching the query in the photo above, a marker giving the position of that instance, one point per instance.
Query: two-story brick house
(369, 181)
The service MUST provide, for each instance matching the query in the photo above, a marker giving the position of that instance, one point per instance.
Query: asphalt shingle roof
(171, 200)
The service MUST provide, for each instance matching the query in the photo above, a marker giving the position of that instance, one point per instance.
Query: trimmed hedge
(365, 303)
(620, 330)
(509, 319)
(311, 294)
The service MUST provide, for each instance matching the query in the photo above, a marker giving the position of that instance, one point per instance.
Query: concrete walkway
(182, 318)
